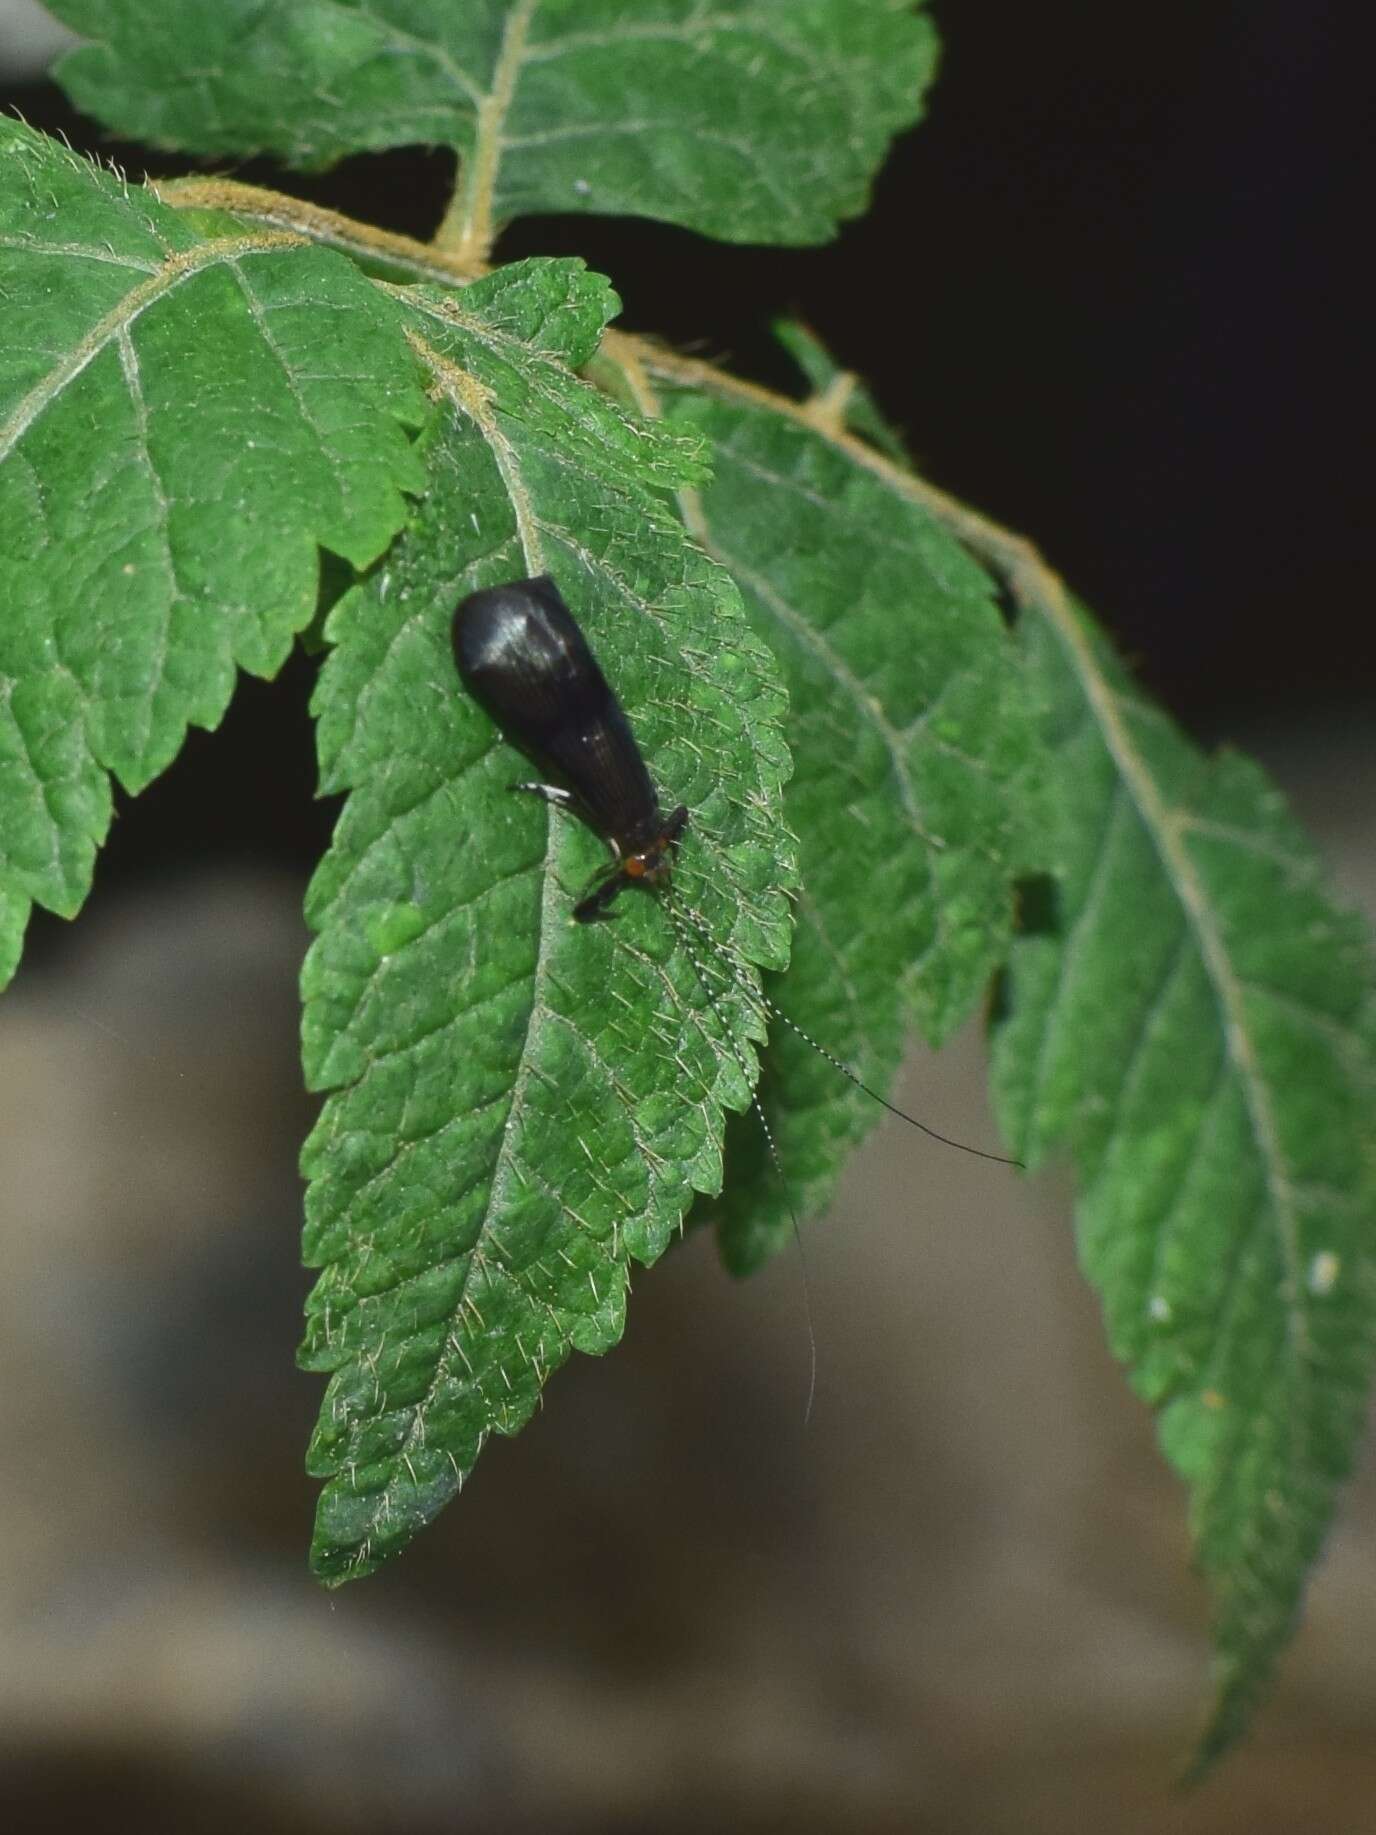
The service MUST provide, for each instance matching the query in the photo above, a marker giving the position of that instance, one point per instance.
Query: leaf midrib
(467, 398)
(1167, 827)
(468, 229)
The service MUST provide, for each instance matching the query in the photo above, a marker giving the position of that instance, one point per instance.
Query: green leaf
(752, 120)
(522, 1106)
(1194, 1027)
(910, 739)
(184, 421)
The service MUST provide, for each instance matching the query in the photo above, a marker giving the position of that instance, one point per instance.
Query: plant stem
(467, 231)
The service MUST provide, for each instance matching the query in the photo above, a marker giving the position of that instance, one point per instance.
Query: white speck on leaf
(1323, 1272)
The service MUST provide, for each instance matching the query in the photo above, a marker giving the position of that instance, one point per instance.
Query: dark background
(1106, 292)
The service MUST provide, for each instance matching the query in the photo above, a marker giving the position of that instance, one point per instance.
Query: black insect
(524, 658)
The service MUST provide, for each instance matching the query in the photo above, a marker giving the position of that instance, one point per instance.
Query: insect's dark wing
(522, 655)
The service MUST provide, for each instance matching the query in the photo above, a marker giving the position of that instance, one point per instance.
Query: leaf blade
(753, 121)
(519, 1106)
(176, 441)
(912, 742)
(1197, 1038)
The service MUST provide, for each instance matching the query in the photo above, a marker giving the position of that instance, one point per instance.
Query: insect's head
(646, 862)
(651, 864)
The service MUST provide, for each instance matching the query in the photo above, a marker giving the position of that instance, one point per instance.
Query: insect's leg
(550, 793)
(594, 906)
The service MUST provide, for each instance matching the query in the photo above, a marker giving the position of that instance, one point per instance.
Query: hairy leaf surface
(753, 120)
(523, 1105)
(909, 734)
(184, 421)
(1194, 1025)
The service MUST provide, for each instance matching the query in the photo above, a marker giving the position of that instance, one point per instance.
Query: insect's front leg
(550, 793)
(595, 904)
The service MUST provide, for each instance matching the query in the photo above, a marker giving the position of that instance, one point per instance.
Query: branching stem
(330, 228)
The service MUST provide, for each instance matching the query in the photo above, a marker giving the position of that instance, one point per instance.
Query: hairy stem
(362, 242)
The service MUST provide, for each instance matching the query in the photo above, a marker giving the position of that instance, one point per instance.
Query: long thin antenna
(749, 993)
(685, 937)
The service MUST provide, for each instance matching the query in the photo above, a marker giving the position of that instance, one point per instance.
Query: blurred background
(1104, 291)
